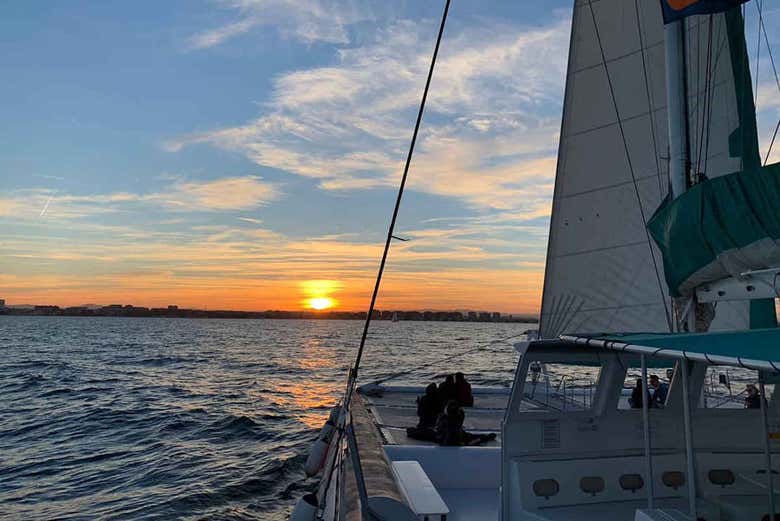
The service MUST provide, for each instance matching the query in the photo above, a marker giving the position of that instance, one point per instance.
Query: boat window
(727, 387)
(561, 386)
(659, 382)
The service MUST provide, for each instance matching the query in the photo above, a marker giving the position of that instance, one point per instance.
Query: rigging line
(772, 143)
(445, 359)
(759, 5)
(762, 28)
(713, 71)
(354, 371)
(706, 116)
(630, 163)
(651, 114)
(697, 74)
(744, 72)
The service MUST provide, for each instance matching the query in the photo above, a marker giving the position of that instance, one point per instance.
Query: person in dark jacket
(463, 391)
(753, 398)
(449, 426)
(428, 407)
(447, 391)
(636, 396)
(659, 390)
(450, 432)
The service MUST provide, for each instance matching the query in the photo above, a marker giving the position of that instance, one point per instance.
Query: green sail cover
(719, 228)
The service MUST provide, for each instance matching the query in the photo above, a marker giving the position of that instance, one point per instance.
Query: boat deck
(395, 408)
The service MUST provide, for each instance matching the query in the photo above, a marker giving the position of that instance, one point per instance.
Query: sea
(159, 418)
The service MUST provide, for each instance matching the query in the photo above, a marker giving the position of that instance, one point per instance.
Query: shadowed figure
(428, 407)
(463, 391)
(447, 391)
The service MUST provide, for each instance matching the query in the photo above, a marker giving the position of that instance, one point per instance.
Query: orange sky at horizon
(517, 292)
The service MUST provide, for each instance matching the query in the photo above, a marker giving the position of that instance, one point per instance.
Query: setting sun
(320, 303)
(316, 294)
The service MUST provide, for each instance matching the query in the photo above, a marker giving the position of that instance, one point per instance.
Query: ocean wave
(109, 422)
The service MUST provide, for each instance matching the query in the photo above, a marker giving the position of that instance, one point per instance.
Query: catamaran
(663, 257)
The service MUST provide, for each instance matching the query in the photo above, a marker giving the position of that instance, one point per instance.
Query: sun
(320, 303)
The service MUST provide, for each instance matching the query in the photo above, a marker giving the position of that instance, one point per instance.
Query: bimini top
(752, 349)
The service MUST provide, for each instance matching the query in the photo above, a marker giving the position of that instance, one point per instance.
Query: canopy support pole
(646, 432)
(767, 446)
(689, 455)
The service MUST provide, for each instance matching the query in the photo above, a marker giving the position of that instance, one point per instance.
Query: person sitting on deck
(753, 398)
(447, 391)
(660, 391)
(449, 426)
(428, 407)
(463, 391)
(636, 396)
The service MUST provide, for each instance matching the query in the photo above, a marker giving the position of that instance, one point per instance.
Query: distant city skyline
(246, 154)
(174, 311)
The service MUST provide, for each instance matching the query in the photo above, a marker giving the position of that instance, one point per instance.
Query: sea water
(156, 418)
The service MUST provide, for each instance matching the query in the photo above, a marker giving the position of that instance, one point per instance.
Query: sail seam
(622, 306)
(630, 165)
(596, 250)
(617, 58)
(607, 187)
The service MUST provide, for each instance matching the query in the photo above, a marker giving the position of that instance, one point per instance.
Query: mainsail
(604, 273)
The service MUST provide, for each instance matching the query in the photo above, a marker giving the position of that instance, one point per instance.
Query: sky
(245, 154)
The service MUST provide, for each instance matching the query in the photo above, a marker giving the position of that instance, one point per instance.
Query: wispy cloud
(311, 21)
(491, 125)
(256, 268)
(224, 194)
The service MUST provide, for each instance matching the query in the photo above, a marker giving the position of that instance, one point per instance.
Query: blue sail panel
(676, 9)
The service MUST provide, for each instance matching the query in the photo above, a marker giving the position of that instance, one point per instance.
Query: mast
(677, 104)
(679, 135)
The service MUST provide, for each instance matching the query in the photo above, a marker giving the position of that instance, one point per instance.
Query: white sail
(603, 272)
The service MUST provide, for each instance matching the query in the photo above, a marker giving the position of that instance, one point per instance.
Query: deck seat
(420, 494)
(466, 478)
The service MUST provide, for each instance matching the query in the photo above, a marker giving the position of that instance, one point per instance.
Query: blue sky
(223, 153)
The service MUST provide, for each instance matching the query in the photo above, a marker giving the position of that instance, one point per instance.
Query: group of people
(658, 390)
(656, 393)
(441, 416)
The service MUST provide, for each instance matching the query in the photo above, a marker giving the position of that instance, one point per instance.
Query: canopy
(719, 228)
(752, 349)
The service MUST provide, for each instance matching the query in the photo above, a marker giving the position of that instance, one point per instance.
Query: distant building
(484, 317)
(46, 310)
(496, 317)
(472, 315)
(173, 308)
(2, 303)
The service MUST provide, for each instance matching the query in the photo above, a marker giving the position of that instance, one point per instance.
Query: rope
(707, 110)
(630, 164)
(762, 29)
(354, 371)
(649, 98)
(445, 359)
(772, 143)
(759, 5)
